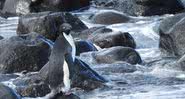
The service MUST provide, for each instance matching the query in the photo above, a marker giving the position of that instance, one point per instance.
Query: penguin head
(65, 28)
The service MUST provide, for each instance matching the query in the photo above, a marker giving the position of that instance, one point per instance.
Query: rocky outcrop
(84, 35)
(2, 3)
(113, 55)
(55, 5)
(172, 35)
(7, 93)
(111, 39)
(142, 7)
(47, 23)
(17, 6)
(26, 52)
(109, 17)
(31, 85)
(29, 6)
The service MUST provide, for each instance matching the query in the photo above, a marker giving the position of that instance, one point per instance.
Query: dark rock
(26, 52)
(106, 40)
(47, 23)
(142, 7)
(2, 3)
(84, 46)
(31, 85)
(114, 54)
(88, 32)
(84, 77)
(6, 15)
(28, 6)
(7, 93)
(1, 37)
(55, 5)
(172, 35)
(109, 17)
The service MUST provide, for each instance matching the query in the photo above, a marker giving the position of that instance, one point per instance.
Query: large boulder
(83, 35)
(84, 46)
(28, 6)
(7, 93)
(142, 7)
(26, 52)
(109, 17)
(58, 5)
(17, 6)
(172, 35)
(113, 55)
(111, 39)
(47, 23)
(31, 85)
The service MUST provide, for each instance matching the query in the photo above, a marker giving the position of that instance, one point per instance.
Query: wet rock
(88, 32)
(17, 6)
(182, 2)
(112, 55)
(1, 37)
(178, 64)
(31, 85)
(29, 6)
(84, 77)
(84, 46)
(7, 93)
(6, 15)
(111, 39)
(2, 3)
(172, 35)
(6, 77)
(26, 52)
(55, 5)
(109, 17)
(142, 7)
(47, 23)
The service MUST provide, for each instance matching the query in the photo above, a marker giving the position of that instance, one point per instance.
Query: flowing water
(152, 80)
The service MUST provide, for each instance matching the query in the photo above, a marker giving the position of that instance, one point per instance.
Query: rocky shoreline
(109, 52)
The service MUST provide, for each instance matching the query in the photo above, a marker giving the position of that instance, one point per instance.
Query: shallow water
(151, 80)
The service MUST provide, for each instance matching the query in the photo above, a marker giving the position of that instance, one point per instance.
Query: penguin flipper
(89, 73)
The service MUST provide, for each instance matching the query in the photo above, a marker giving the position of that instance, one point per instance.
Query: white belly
(70, 40)
(66, 80)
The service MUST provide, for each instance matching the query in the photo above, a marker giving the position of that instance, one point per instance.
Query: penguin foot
(67, 93)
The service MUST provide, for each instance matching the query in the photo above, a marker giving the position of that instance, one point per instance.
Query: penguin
(61, 62)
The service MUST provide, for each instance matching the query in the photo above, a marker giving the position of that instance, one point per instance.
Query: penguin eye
(64, 27)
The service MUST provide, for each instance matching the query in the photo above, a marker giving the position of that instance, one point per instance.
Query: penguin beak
(70, 40)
